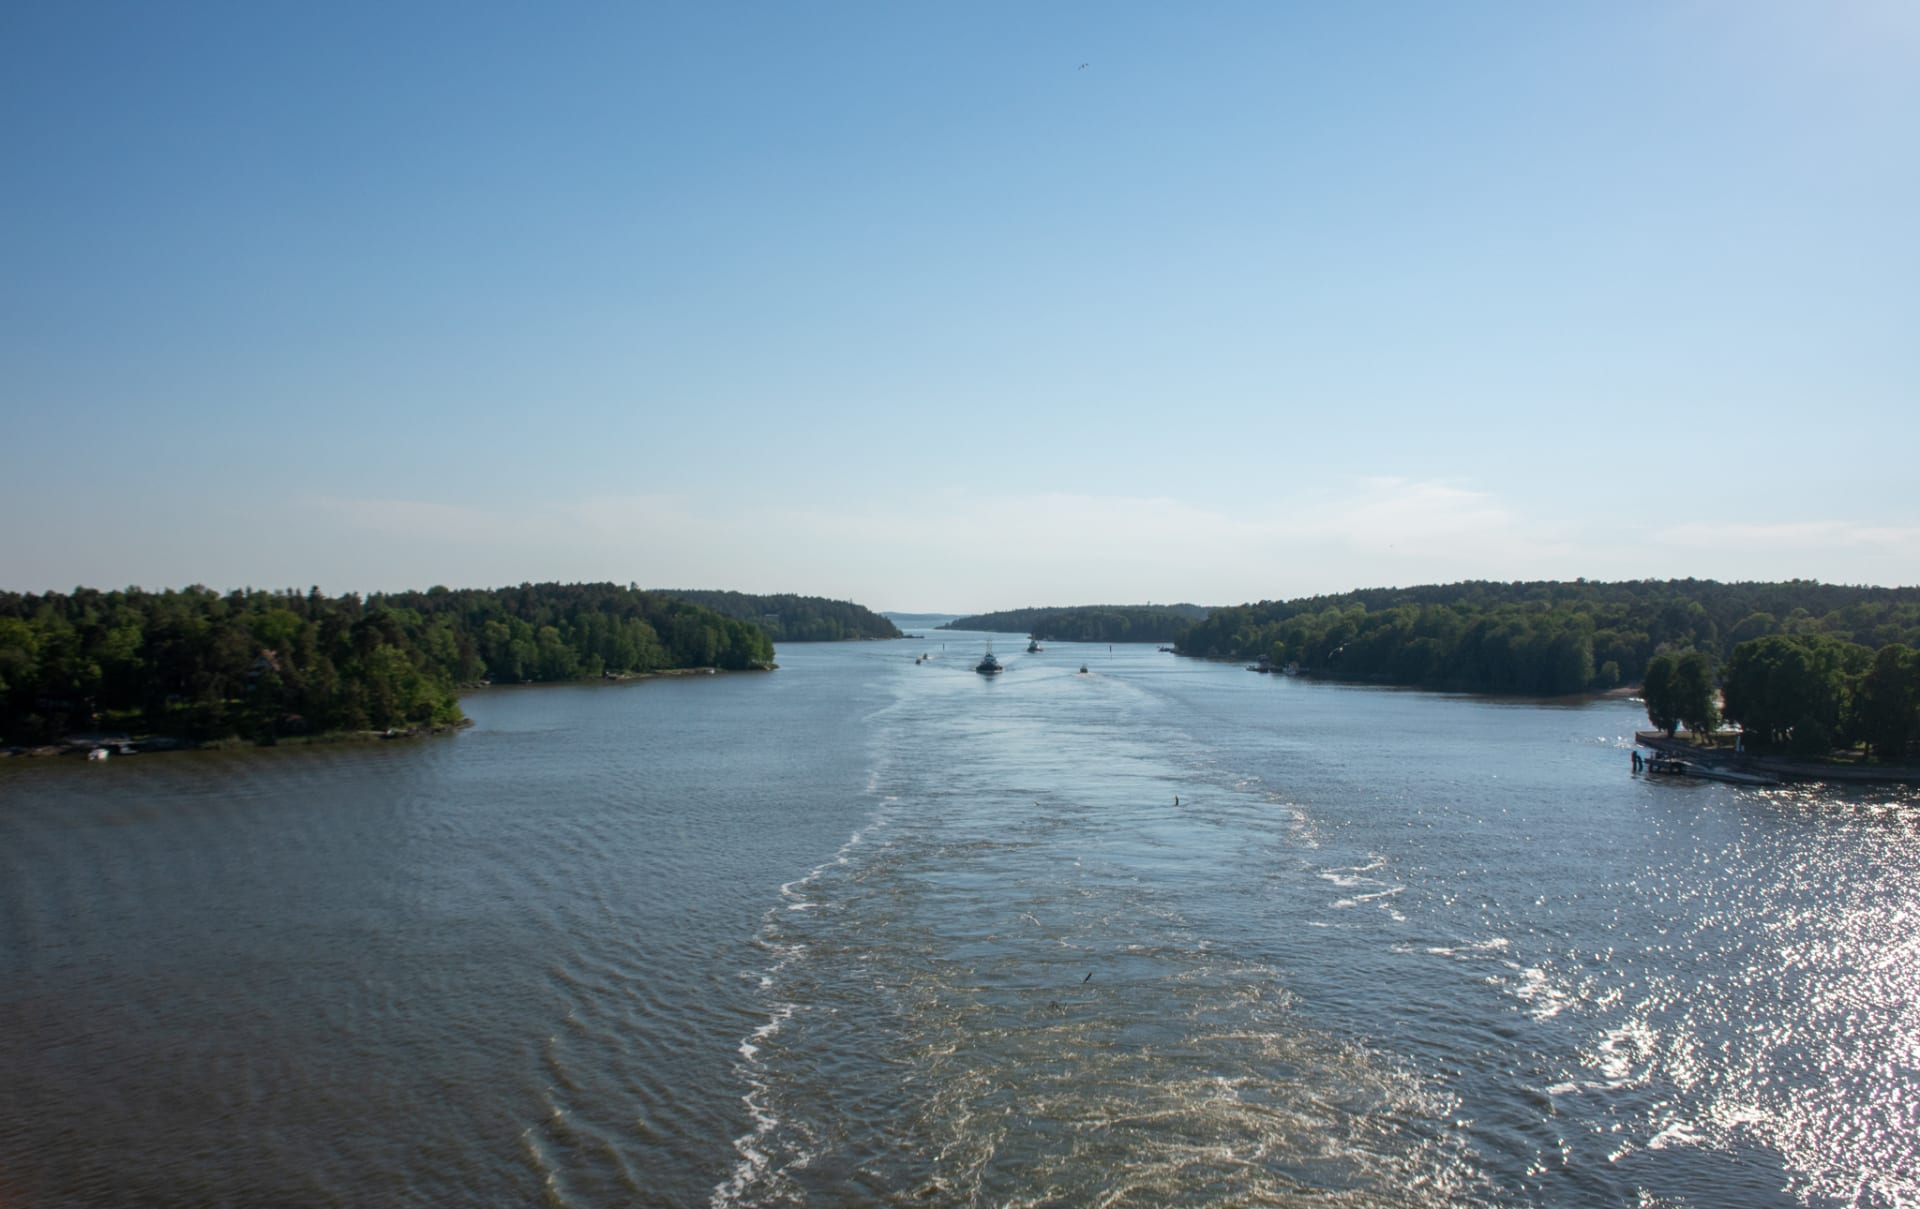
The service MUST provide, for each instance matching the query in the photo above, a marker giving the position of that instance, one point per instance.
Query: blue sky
(901, 304)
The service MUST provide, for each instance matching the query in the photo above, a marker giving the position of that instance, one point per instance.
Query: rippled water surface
(870, 931)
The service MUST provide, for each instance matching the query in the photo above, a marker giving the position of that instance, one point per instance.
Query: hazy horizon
(983, 305)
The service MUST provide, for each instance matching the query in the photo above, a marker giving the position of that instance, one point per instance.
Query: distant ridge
(790, 618)
(1090, 623)
(917, 619)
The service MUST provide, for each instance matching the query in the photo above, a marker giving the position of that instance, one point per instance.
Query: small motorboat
(1674, 766)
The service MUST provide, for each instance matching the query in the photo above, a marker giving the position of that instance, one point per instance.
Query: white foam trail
(755, 1155)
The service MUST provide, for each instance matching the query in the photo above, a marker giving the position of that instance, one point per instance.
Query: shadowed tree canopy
(1659, 692)
(1694, 695)
(1886, 702)
(201, 664)
(794, 618)
(1794, 691)
(1546, 637)
(1089, 623)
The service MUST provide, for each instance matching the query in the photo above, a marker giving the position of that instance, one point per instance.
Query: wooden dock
(1787, 768)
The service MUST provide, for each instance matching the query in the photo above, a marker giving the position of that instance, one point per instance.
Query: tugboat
(1034, 647)
(988, 665)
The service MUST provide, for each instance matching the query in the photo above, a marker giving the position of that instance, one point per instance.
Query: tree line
(1805, 694)
(201, 664)
(1089, 623)
(788, 618)
(1545, 638)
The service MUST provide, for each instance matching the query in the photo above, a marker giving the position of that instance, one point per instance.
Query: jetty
(1684, 746)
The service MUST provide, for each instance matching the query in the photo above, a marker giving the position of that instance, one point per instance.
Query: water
(866, 931)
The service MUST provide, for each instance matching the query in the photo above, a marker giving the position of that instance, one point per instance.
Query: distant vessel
(1034, 647)
(988, 665)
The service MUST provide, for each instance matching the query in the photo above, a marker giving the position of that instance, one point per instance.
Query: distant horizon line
(633, 585)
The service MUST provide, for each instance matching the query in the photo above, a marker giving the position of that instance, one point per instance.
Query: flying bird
(1082, 67)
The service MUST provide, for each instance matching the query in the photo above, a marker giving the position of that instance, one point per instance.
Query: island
(1089, 623)
(198, 665)
(1819, 672)
(1541, 638)
(789, 618)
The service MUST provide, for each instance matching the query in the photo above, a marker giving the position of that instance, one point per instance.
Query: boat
(1734, 776)
(1083, 669)
(1034, 647)
(1673, 766)
(988, 665)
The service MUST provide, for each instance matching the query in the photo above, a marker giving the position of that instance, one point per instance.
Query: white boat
(1673, 766)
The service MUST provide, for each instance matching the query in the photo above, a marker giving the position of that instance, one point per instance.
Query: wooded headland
(258, 665)
(1089, 623)
(788, 618)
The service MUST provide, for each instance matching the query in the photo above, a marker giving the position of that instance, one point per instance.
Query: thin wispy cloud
(973, 548)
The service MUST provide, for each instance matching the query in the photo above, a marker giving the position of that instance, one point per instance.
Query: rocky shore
(103, 746)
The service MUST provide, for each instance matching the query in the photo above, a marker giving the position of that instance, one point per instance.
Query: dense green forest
(1089, 623)
(200, 664)
(1544, 638)
(795, 618)
(1806, 694)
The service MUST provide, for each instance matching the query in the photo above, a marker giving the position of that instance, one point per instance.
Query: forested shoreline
(200, 664)
(1808, 695)
(1543, 638)
(790, 618)
(1089, 623)
(1800, 666)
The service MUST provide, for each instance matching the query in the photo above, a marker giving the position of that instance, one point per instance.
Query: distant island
(1090, 623)
(262, 666)
(794, 618)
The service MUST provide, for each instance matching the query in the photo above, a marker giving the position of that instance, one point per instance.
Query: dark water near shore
(871, 932)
